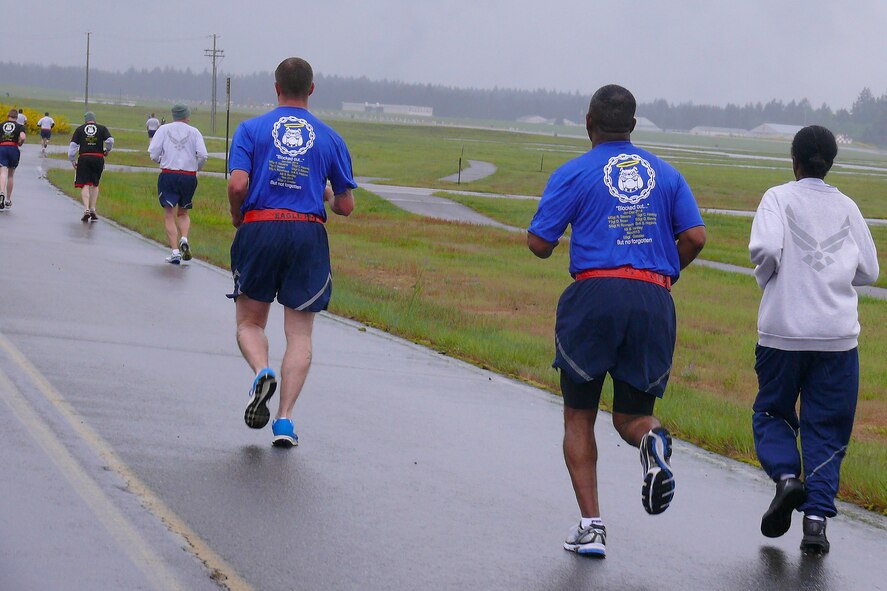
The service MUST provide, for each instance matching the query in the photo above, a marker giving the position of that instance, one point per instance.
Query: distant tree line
(866, 120)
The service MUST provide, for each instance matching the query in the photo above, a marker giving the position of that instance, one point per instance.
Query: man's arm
(539, 247)
(342, 203)
(73, 151)
(21, 139)
(202, 154)
(690, 243)
(238, 188)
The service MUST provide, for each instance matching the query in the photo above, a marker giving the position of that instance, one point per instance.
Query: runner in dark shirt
(90, 144)
(12, 136)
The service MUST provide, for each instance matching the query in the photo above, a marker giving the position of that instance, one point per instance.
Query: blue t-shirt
(626, 207)
(289, 155)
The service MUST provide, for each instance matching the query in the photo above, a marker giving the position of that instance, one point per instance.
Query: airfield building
(776, 131)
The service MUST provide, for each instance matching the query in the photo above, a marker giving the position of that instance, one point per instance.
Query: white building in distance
(777, 130)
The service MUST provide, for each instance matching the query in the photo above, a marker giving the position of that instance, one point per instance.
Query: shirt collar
(812, 181)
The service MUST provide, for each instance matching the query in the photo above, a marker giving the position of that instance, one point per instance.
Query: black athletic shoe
(814, 540)
(92, 215)
(2, 201)
(85, 217)
(658, 489)
(777, 520)
(257, 414)
(186, 250)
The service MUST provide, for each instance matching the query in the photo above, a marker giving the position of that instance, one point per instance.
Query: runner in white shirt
(46, 123)
(21, 119)
(181, 152)
(152, 125)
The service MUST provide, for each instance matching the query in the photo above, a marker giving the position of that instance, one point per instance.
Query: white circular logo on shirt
(292, 136)
(629, 178)
(8, 127)
(90, 129)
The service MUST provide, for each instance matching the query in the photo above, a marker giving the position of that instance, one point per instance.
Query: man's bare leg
(172, 232)
(298, 327)
(183, 223)
(580, 455)
(632, 428)
(93, 197)
(251, 318)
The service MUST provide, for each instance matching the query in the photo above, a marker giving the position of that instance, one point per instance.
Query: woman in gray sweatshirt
(811, 246)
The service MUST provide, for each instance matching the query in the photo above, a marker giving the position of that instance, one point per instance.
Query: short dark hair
(814, 149)
(612, 109)
(294, 76)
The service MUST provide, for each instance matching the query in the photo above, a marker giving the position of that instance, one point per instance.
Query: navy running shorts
(9, 156)
(89, 171)
(46, 134)
(289, 260)
(623, 327)
(176, 189)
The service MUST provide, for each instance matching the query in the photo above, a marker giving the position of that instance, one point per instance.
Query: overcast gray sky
(705, 51)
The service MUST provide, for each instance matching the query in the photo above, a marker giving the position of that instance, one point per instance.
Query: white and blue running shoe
(591, 541)
(284, 433)
(658, 489)
(257, 414)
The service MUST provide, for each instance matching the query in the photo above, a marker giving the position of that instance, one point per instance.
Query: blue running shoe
(257, 414)
(658, 488)
(284, 433)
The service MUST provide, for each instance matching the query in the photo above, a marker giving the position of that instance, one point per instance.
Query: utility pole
(215, 54)
(227, 121)
(86, 92)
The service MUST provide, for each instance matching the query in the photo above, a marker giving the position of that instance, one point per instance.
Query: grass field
(478, 294)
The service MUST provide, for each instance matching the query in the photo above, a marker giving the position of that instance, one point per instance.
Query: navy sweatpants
(828, 385)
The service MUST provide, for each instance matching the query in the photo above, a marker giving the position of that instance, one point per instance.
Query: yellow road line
(112, 518)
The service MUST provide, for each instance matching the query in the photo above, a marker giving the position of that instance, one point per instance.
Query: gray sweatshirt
(810, 245)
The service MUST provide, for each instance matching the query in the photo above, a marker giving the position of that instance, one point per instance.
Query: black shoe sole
(257, 414)
(815, 547)
(657, 491)
(284, 443)
(778, 519)
(186, 251)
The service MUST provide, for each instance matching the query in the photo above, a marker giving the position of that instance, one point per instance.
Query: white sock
(787, 476)
(815, 517)
(183, 239)
(588, 521)
(175, 252)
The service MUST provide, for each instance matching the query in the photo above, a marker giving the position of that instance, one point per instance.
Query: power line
(215, 54)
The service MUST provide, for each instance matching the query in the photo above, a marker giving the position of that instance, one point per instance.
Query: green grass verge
(478, 294)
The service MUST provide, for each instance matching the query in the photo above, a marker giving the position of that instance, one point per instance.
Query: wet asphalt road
(415, 471)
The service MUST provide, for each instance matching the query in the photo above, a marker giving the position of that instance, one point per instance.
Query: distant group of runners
(635, 225)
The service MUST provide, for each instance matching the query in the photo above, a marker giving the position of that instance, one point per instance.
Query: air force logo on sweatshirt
(817, 252)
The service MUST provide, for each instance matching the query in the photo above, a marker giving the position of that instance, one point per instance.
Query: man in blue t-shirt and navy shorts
(635, 225)
(280, 163)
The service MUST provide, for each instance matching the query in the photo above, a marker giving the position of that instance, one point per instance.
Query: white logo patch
(90, 129)
(292, 136)
(629, 178)
(8, 127)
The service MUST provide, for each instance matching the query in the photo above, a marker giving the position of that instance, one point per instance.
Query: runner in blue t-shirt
(280, 163)
(635, 225)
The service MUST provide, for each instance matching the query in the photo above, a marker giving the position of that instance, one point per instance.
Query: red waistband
(275, 215)
(8, 143)
(95, 154)
(171, 171)
(627, 272)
